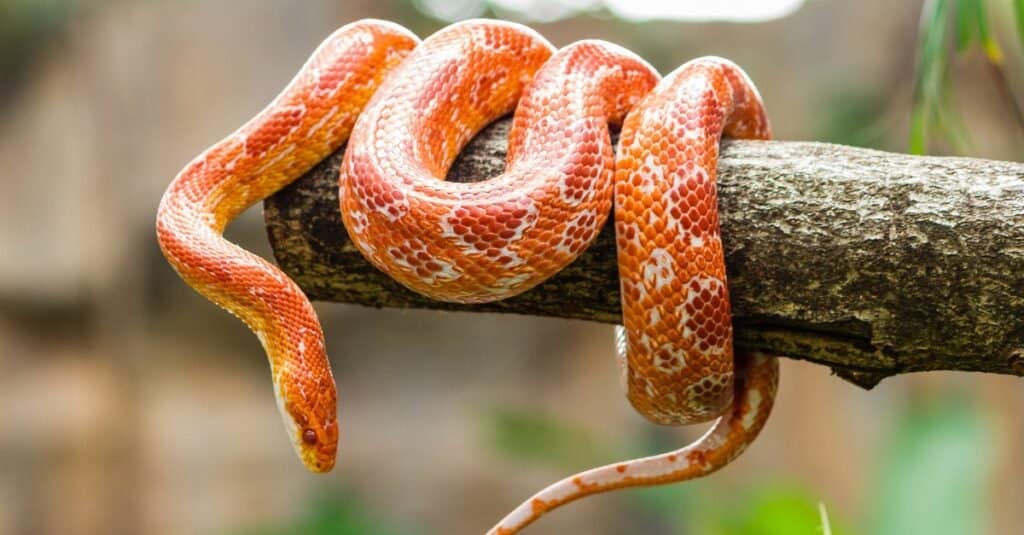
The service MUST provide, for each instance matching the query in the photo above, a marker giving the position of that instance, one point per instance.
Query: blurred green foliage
(934, 115)
(765, 508)
(776, 510)
(853, 117)
(27, 27)
(933, 474)
(331, 514)
(532, 436)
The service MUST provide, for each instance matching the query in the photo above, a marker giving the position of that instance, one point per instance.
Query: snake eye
(309, 437)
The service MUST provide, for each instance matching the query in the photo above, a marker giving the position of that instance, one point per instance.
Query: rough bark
(868, 262)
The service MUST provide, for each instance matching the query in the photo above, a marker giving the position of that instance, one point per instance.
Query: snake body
(406, 109)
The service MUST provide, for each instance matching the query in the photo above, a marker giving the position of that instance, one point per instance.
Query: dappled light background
(128, 404)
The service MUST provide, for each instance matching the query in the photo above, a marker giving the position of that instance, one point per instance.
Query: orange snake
(406, 109)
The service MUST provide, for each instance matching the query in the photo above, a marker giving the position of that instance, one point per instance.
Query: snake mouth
(318, 461)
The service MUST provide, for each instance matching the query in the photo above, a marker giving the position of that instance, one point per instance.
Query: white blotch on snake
(658, 269)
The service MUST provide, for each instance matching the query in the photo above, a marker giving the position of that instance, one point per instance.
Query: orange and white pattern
(406, 109)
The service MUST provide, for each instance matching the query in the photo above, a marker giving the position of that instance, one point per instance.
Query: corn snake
(405, 109)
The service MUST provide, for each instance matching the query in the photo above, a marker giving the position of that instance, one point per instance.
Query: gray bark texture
(869, 262)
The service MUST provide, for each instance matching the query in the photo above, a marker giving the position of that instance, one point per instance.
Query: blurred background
(128, 404)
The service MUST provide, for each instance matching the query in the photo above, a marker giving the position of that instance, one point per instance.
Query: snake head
(308, 407)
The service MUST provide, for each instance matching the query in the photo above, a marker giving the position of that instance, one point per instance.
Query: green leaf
(1018, 12)
(988, 43)
(931, 71)
(966, 12)
(951, 124)
(933, 57)
(933, 476)
(972, 26)
(918, 129)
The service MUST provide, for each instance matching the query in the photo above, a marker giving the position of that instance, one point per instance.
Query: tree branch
(869, 262)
